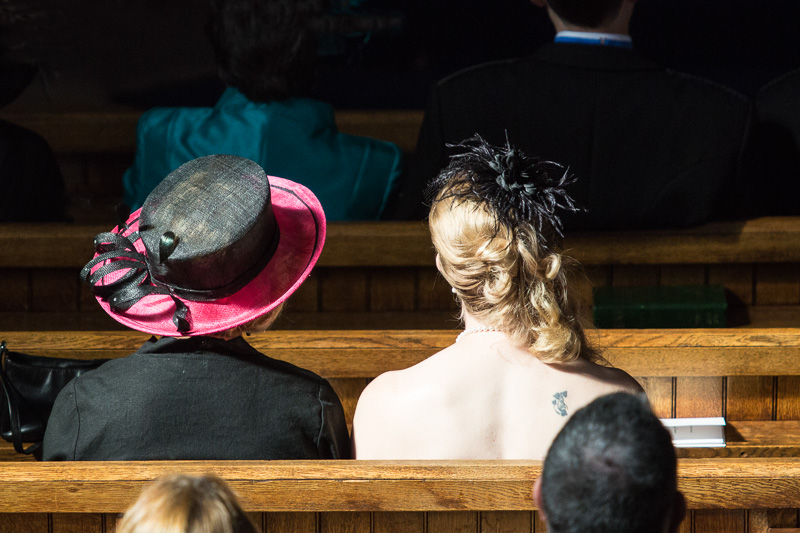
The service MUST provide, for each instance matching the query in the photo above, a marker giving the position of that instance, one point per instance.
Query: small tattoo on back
(559, 405)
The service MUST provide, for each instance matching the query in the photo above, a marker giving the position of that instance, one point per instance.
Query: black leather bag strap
(11, 396)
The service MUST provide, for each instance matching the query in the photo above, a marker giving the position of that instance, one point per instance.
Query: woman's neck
(470, 322)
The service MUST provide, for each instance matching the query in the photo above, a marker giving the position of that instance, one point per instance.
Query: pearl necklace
(482, 329)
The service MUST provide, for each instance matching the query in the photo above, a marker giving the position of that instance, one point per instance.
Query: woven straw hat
(217, 244)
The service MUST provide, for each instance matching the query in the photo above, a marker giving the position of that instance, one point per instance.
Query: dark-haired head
(611, 469)
(266, 48)
(494, 223)
(586, 13)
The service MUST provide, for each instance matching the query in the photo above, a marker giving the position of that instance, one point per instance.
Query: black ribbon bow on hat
(116, 252)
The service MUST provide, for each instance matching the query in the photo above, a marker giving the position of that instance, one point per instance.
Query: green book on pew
(684, 306)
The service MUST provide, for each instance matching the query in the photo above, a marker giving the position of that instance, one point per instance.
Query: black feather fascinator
(519, 188)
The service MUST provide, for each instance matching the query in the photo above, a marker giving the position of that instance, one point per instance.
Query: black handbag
(30, 385)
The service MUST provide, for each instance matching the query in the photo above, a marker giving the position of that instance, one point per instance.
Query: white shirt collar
(593, 37)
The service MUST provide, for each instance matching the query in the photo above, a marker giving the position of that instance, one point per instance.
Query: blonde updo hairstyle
(501, 267)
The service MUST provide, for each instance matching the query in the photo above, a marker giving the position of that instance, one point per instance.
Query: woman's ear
(438, 262)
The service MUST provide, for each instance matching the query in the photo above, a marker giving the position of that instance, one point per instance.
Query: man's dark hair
(266, 48)
(586, 13)
(611, 469)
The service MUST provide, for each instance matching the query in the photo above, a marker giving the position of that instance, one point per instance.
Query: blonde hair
(186, 504)
(506, 278)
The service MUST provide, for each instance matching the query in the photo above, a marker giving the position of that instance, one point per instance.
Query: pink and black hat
(217, 244)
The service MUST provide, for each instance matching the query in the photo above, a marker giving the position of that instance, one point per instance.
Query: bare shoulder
(610, 378)
(398, 409)
(385, 421)
(370, 421)
(587, 381)
(622, 380)
(376, 399)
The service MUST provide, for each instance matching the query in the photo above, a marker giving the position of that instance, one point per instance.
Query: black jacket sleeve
(333, 441)
(61, 434)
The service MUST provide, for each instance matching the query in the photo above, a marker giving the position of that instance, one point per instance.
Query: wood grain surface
(346, 486)
(694, 353)
(402, 244)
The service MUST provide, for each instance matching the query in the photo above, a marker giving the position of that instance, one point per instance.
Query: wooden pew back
(728, 495)
(375, 274)
(746, 495)
(114, 132)
(743, 374)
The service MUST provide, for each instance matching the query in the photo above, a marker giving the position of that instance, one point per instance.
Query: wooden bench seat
(748, 495)
(754, 438)
(373, 275)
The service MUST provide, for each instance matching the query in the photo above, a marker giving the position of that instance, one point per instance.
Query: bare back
(481, 398)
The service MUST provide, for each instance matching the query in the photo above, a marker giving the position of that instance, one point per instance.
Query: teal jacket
(295, 139)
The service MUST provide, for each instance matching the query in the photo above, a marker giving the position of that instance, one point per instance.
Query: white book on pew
(696, 432)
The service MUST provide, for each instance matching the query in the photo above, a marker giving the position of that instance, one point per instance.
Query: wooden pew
(724, 495)
(367, 353)
(727, 493)
(114, 132)
(745, 374)
(408, 243)
(375, 274)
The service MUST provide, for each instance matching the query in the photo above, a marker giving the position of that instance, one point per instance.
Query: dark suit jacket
(196, 398)
(776, 146)
(650, 147)
(31, 186)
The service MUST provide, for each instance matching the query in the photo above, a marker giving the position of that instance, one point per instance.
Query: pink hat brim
(301, 221)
